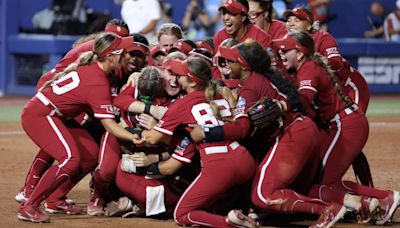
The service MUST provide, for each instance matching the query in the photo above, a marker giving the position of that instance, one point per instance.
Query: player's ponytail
(202, 70)
(101, 43)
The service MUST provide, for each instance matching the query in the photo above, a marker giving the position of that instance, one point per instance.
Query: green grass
(375, 109)
(384, 108)
(10, 113)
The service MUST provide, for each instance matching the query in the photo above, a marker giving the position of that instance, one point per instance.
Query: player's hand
(132, 80)
(138, 141)
(140, 159)
(197, 134)
(147, 121)
(226, 93)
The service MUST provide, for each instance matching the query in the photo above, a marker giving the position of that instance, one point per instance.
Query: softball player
(301, 19)
(217, 175)
(347, 128)
(42, 160)
(290, 165)
(68, 95)
(260, 14)
(110, 152)
(237, 24)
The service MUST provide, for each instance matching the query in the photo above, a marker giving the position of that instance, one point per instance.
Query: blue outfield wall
(379, 61)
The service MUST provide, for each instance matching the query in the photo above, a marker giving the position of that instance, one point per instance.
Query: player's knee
(180, 216)
(256, 201)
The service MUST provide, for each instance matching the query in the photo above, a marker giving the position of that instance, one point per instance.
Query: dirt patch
(17, 152)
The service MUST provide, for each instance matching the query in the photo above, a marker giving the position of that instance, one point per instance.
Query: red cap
(288, 43)
(181, 46)
(205, 45)
(116, 29)
(202, 53)
(300, 13)
(156, 51)
(119, 43)
(234, 7)
(137, 46)
(180, 67)
(232, 53)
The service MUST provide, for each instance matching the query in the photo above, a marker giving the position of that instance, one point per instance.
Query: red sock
(49, 182)
(40, 164)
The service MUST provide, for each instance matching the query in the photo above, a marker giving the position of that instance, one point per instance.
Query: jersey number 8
(204, 116)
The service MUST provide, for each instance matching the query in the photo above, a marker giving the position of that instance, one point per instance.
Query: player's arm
(154, 110)
(169, 166)
(330, 49)
(111, 126)
(154, 137)
(126, 102)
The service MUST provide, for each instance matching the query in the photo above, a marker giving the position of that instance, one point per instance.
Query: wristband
(160, 157)
(153, 169)
(214, 134)
(147, 107)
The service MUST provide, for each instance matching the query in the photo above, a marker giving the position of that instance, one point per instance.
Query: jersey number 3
(66, 83)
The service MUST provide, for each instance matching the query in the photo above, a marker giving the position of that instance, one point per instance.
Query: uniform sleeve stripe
(240, 115)
(162, 130)
(333, 55)
(182, 159)
(308, 87)
(104, 116)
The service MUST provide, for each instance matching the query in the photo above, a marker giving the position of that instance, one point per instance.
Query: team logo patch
(240, 106)
(305, 83)
(182, 146)
(111, 109)
(332, 50)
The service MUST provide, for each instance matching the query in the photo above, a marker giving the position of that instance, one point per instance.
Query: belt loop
(234, 145)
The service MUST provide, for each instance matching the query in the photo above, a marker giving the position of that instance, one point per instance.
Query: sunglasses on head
(254, 15)
(221, 62)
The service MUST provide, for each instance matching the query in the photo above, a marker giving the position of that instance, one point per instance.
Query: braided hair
(150, 84)
(307, 41)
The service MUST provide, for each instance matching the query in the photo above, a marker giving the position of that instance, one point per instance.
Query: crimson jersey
(73, 55)
(252, 32)
(316, 88)
(44, 78)
(255, 87)
(86, 89)
(326, 45)
(277, 29)
(195, 108)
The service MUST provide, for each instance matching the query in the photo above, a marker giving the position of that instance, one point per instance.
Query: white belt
(221, 149)
(42, 98)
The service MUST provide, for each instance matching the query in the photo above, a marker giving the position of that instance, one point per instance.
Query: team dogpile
(264, 118)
